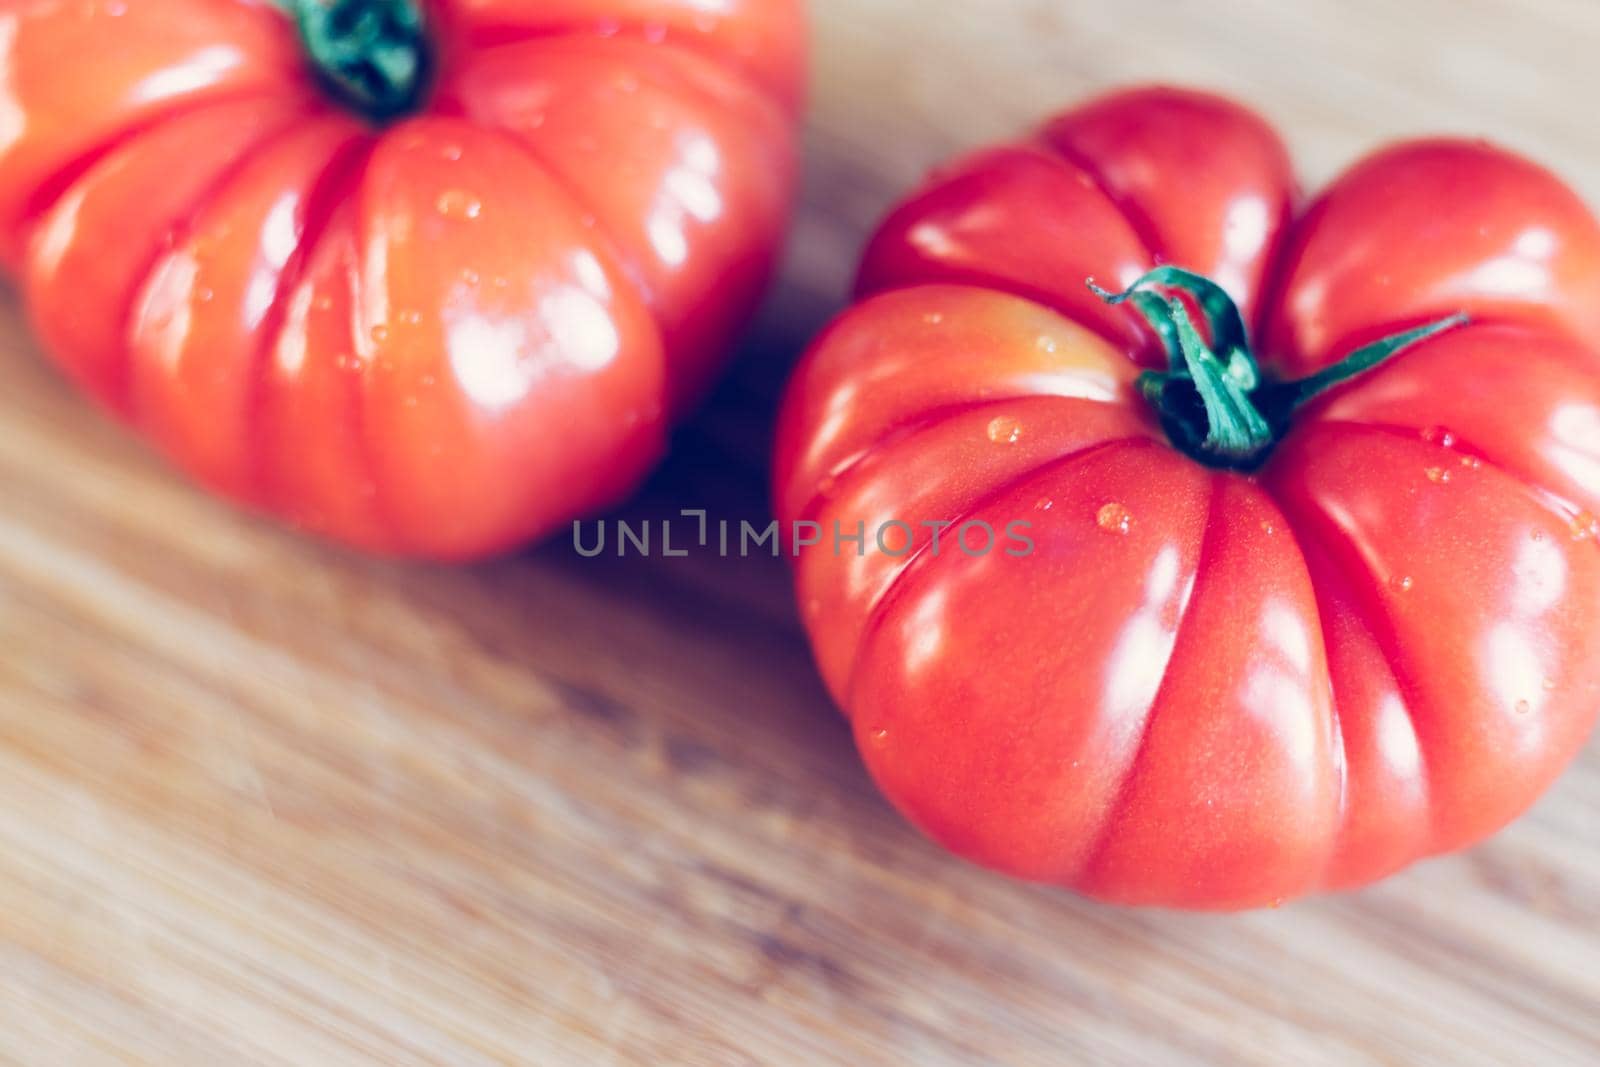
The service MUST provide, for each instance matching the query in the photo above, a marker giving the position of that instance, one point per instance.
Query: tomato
(427, 280)
(1278, 639)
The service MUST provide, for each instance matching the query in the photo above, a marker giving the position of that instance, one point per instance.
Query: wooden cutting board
(265, 801)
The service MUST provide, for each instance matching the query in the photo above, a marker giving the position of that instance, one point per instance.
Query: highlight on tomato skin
(1315, 588)
(428, 277)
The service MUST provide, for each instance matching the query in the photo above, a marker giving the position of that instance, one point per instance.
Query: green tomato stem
(374, 56)
(1222, 409)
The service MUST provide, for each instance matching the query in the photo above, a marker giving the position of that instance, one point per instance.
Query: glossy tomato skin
(442, 337)
(1033, 218)
(1206, 688)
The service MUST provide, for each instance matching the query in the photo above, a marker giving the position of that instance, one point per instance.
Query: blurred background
(266, 801)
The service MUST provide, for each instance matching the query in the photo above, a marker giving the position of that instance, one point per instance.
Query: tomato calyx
(372, 56)
(1214, 401)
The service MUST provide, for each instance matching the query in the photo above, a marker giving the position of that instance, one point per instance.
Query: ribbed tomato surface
(1210, 687)
(440, 336)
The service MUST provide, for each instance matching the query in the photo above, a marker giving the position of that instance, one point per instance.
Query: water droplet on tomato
(1114, 518)
(1438, 435)
(1044, 503)
(380, 333)
(1472, 463)
(411, 317)
(1438, 475)
(933, 318)
(1269, 527)
(1046, 343)
(451, 153)
(1522, 707)
(1401, 582)
(1585, 527)
(458, 204)
(1004, 430)
(879, 736)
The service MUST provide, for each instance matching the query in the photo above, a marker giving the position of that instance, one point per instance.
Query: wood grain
(266, 802)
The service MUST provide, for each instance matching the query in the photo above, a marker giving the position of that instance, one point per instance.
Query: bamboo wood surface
(263, 801)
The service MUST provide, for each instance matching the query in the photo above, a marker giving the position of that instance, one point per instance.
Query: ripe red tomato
(425, 279)
(1253, 653)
